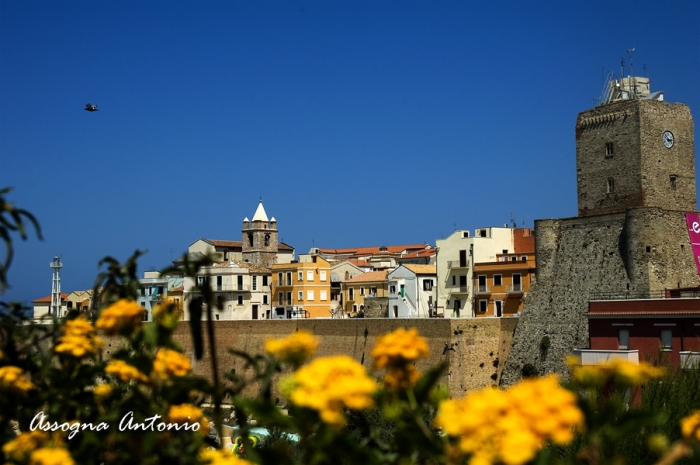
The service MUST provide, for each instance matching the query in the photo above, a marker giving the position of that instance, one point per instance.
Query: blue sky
(359, 123)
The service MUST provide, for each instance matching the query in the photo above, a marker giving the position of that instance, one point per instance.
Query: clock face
(668, 139)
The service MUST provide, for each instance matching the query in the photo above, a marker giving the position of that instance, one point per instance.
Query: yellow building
(302, 289)
(501, 286)
(372, 284)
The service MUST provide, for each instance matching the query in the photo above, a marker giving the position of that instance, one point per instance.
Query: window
(354, 308)
(280, 299)
(255, 283)
(217, 316)
(623, 339)
(300, 295)
(240, 300)
(289, 279)
(373, 291)
(427, 284)
(264, 281)
(323, 275)
(523, 258)
(483, 306)
(462, 258)
(265, 299)
(351, 294)
(666, 339)
(267, 240)
(454, 281)
(250, 239)
(240, 282)
(392, 289)
(497, 280)
(673, 178)
(609, 150)
(324, 295)
(517, 282)
(300, 276)
(499, 307)
(201, 280)
(362, 290)
(279, 279)
(289, 298)
(482, 283)
(310, 295)
(611, 185)
(310, 275)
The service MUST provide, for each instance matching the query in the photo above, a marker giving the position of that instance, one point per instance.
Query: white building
(456, 256)
(412, 291)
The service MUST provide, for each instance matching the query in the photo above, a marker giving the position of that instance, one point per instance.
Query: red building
(658, 328)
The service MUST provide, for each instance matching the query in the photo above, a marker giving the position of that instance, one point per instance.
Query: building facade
(412, 291)
(455, 260)
(372, 284)
(302, 289)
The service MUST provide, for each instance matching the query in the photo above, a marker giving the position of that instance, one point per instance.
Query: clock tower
(635, 150)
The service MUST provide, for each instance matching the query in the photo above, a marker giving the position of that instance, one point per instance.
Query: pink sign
(693, 221)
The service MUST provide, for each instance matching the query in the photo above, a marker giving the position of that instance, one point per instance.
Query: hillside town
(620, 278)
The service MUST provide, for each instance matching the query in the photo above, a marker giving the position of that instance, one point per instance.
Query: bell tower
(260, 238)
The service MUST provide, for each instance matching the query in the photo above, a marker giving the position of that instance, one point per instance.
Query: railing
(514, 288)
(457, 264)
(462, 290)
(690, 360)
(627, 295)
(600, 357)
(483, 289)
(231, 287)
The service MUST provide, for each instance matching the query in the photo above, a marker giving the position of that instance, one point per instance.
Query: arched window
(250, 239)
(267, 240)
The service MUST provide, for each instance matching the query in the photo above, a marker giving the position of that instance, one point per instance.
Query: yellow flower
(399, 348)
(623, 371)
(294, 349)
(103, 391)
(167, 314)
(20, 447)
(78, 338)
(401, 378)
(125, 372)
(511, 426)
(171, 363)
(690, 426)
(188, 414)
(13, 379)
(328, 384)
(51, 456)
(121, 317)
(218, 457)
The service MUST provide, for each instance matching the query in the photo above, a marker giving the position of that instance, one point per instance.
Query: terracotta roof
(218, 243)
(360, 263)
(254, 267)
(283, 246)
(420, 254)
(177, 289)
(48, 298)
(372, 276)
(375, 249)
(421, 269)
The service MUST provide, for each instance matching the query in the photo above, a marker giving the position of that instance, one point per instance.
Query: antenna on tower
(56, 266)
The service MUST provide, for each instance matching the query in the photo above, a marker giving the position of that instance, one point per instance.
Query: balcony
(514, 289)
(461, 290)
(482, 289)
(457, 264)
(690, 360)
(231, 288)
(601, 357)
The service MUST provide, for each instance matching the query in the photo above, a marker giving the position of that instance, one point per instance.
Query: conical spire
(260, 214)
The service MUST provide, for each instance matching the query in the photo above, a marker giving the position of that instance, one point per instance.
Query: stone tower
(260, 238)
(635, 173)
(635, 153)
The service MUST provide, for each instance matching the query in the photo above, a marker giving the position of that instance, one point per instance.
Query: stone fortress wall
(631, 253)
(473, 349)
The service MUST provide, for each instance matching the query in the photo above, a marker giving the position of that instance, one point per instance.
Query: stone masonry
(473, 350)
(628, 240)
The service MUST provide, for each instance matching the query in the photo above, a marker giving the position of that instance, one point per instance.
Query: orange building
(372, 284)
(500, 287)
(302, 287)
